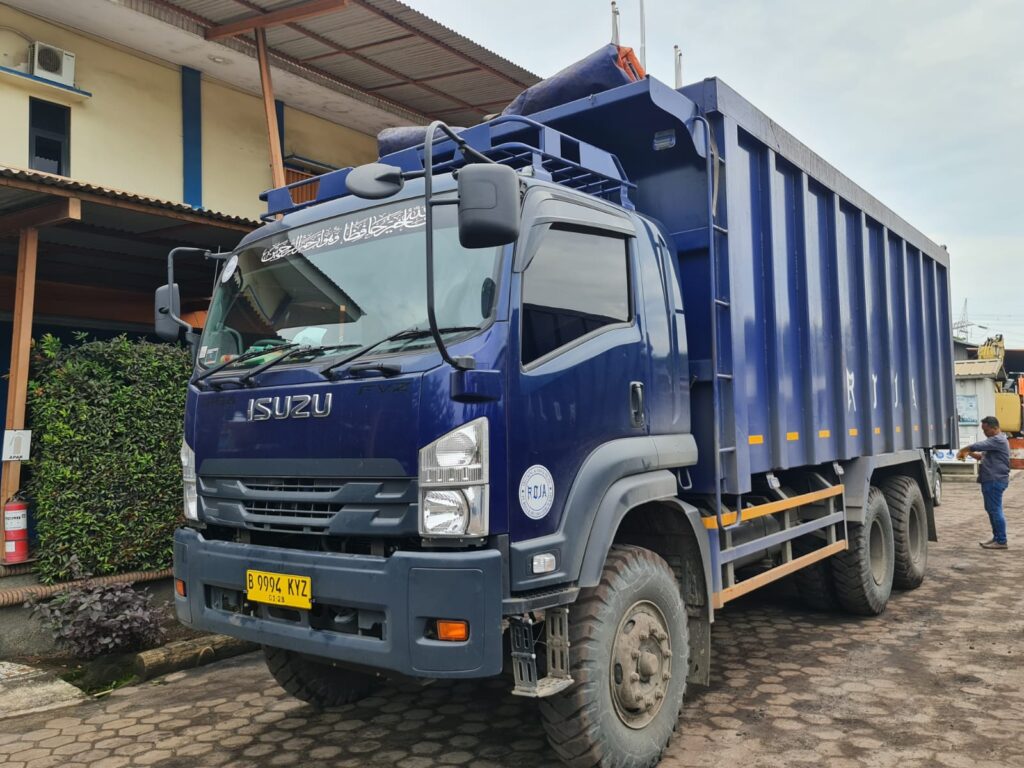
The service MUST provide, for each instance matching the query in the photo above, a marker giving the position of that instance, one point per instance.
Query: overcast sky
(921, 102)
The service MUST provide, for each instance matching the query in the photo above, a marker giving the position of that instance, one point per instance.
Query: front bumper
(393, 599)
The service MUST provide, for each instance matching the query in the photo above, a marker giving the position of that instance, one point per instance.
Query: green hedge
(105, 476)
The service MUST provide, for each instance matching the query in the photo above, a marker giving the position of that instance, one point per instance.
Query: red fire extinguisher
(15, 531)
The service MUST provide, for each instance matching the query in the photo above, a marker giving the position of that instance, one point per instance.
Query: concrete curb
(24, 690)
(18, 595)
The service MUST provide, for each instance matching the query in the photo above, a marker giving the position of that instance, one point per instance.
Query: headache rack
(511, 140)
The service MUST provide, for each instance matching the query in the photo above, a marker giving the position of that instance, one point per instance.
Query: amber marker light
(179, 587)
(452, 631)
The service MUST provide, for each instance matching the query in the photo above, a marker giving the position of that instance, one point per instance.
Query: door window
(576, 285)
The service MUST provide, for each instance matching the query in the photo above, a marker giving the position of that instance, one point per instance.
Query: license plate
(279, 589)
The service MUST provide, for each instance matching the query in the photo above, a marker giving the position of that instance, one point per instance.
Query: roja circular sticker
(536, 492)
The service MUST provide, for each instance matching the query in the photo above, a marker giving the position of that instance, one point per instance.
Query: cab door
(578, 366)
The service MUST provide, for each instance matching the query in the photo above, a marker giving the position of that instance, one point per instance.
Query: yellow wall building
(126, 115)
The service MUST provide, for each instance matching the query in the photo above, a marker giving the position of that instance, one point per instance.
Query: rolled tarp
(392, 140)
(604, 69)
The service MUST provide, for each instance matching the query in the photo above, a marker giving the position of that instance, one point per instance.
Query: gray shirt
(995, 463)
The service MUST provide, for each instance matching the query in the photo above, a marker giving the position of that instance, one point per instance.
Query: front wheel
(316, 683)
(629, 656)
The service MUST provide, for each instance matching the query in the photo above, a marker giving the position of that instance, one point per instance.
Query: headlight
(188, 474)
(453, 483)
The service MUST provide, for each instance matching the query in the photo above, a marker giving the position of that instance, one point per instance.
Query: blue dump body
(837, 335)
(676, 356)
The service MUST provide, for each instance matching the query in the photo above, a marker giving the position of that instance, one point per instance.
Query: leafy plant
(105, 476)
(91, 620)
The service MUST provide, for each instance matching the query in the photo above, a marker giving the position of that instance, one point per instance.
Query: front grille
(308, 512)
(340, 507)
(293, 484)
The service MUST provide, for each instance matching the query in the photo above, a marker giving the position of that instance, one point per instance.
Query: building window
(49, 137)
(576, 284)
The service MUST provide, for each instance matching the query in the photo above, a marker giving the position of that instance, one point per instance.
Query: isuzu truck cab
(543, 395)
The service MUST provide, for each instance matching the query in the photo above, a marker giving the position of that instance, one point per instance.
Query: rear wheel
(937, 489)
(909, 530)
(815, 583)
(319, 684)
(864, 572)
(630, 654)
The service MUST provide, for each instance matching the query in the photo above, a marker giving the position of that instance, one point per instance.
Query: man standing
(994, 476)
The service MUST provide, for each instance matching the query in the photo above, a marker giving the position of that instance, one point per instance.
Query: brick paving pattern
(937, 680)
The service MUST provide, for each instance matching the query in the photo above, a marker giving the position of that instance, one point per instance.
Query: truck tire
(937, 489)
(863, 573)
(629, 657)
(319, 684)
(909, 530)
(814, 583)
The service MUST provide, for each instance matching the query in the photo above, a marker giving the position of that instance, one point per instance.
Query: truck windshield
(348, 282)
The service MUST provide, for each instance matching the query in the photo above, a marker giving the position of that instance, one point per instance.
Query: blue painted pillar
(192, 136)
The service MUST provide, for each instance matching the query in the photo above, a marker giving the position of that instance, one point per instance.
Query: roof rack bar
(510, 140)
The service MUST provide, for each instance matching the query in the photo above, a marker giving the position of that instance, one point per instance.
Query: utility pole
(643, 37)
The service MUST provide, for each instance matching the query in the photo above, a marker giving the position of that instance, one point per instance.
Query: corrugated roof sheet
(388, 51)
(992, 369)
(11, 201)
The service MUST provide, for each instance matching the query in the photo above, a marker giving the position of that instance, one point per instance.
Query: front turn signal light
(452, 631)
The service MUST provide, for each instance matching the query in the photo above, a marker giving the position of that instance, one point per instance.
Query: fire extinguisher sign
(17, 443)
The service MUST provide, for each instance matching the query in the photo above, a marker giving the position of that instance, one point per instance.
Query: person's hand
(976, 455)
(961, 454)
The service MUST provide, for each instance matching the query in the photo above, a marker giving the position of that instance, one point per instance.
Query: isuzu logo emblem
(289, 407)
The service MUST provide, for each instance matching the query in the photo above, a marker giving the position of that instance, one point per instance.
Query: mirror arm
(428, 187)
(170, 281)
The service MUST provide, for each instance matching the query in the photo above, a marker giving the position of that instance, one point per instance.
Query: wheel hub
(641, 664)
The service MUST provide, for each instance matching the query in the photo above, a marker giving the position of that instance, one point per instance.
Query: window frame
(65, 139)
(628, 240)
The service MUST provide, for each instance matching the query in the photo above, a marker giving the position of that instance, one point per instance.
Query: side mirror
(167, 314)
(488, 205)
(375, 181)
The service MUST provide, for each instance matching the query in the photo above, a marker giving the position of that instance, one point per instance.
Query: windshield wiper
(246, 377)
(241, 359)
(408, 333)
(294, 352)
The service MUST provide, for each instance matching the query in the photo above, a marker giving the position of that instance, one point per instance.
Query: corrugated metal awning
(383, 50)
(979, 369)
(34, 188)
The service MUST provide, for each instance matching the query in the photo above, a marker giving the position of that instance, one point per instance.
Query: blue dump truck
(542, 395)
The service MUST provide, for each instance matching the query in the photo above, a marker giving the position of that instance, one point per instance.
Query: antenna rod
(679, 66)
(643, 37)
(615, 23)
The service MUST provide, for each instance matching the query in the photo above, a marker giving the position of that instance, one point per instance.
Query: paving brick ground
(938, 680)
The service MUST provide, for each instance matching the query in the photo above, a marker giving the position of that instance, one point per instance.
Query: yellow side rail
(728, 518)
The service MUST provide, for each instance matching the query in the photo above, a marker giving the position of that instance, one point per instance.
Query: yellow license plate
(279, 589)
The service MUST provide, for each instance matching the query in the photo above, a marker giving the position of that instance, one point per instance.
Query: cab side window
(576, 284)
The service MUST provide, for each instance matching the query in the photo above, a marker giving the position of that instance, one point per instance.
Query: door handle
(636, 403)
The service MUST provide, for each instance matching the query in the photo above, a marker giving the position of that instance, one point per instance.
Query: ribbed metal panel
(215, 10)
(424, 49)
(21, 196)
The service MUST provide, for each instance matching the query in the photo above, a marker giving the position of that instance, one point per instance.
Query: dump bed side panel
(839, 339)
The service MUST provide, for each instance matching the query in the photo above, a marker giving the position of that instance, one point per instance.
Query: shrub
(90, 620)
(105, 474)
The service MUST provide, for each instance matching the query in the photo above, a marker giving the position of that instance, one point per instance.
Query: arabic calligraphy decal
(367, 228)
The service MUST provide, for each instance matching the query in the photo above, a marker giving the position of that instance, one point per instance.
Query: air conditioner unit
(52, 63)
